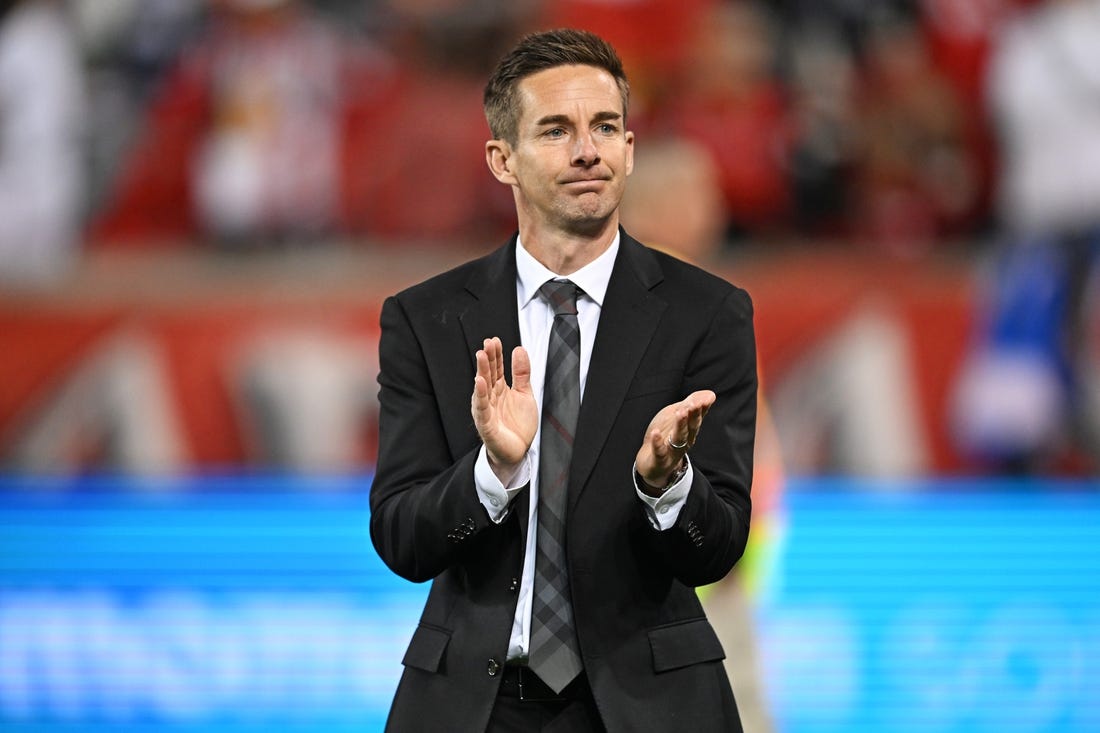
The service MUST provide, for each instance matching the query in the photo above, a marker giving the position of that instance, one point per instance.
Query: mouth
(585, 183)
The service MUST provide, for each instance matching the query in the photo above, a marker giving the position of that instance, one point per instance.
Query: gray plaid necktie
(555, 653)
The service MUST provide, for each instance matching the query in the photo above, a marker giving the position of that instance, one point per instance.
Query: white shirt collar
(592, 278)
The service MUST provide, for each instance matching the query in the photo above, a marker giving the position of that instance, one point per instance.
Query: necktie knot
(561, 295)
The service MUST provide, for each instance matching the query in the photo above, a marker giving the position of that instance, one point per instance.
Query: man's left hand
(669, 437)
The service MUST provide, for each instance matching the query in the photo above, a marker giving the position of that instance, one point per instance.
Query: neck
(562, 252)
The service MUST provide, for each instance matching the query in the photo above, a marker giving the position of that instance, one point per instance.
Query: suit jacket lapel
(629, 317)
(493, 286)
(494, 313)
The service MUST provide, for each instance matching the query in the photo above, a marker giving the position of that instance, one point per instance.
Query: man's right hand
(506, 417)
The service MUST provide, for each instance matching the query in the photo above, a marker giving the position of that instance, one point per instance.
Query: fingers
(483, 369)
(490, 362)
(655, 460)
(701, 400)
(662, 451)
(678, 433)
(494, 350)
(688, 420)
(479, 401)
(505, 418)
(483, 383)
(481, 398)
(671, 435)
(489, 375)
(654, 453)
(521, 370)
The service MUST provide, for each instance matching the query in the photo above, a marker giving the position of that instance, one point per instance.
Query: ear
(498, 155)
(629, 152)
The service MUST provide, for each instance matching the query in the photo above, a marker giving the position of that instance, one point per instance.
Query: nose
(585, 152)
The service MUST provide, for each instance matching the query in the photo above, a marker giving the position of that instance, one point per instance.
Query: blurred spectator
(729, 100)
(960, 35)
(847, 23)
(41, 174)
(416, 164)
(821, 83)
(917, 176)
(128, 47)
(245, 140)
(674, 201)
(653, 37)
(891, 141)
(1020, 404)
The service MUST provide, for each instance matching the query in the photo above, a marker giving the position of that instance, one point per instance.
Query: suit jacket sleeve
(425, 513)
(710, 534)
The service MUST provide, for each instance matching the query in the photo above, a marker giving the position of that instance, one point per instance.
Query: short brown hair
(538, 52)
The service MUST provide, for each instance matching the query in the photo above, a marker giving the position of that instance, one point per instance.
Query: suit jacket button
(515, 585)
(494, 667)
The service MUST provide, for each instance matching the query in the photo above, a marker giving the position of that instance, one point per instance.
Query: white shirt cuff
(493, 494)
(664, 510)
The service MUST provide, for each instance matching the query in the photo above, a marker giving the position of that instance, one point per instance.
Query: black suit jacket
(654, 662)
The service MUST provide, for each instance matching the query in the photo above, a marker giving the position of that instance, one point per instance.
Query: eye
(554, 132)
(607, 128)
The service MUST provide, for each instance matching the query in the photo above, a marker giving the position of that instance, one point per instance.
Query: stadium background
(187, 394)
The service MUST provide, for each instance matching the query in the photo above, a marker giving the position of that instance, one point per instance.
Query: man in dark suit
(564, 501)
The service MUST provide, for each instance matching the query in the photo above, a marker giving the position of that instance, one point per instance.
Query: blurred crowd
(896, 128)
(252, 123)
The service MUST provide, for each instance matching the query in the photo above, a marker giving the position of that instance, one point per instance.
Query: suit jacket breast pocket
(684, 643)
(426, 648)
(669, 380)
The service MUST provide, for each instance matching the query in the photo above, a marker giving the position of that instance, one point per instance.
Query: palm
(677, 423)
(512, 423)
(506, 417)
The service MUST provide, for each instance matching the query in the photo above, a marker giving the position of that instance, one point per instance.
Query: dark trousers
(525, 704)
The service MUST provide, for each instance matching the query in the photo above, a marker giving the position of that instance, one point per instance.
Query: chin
(594, 207)
(587, 225)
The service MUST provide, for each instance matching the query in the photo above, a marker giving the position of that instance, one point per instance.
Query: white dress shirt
(535, 320)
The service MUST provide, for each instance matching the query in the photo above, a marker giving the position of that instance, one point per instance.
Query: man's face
(572, 153)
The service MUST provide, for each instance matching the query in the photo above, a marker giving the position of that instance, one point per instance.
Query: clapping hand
(506, 417)
(670, 435)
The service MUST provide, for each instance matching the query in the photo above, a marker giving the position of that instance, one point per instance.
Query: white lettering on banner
(187, 656)
(934, 665)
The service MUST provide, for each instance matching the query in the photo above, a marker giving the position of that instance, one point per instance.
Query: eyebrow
(564, 119)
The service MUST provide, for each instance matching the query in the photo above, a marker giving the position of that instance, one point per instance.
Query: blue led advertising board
(257, 604)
